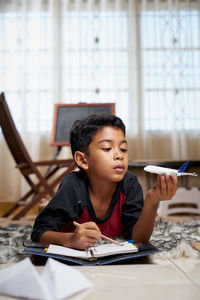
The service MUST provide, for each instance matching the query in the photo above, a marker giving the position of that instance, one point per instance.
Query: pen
(103, 236)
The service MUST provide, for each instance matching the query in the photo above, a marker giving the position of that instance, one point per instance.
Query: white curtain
(166, 81)
(51, 51)
(141, 54)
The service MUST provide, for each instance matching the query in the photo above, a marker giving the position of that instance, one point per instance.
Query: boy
(103, 197)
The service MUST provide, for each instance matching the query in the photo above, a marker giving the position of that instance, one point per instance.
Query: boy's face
(108, 155)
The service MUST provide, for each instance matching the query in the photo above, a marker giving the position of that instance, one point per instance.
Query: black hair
(83, 131)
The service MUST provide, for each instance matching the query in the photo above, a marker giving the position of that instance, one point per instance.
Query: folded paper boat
(56, 281)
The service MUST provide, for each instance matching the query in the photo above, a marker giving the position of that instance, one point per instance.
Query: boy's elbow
(140, 238)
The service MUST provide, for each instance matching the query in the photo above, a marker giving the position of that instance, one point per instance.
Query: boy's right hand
(85, 236)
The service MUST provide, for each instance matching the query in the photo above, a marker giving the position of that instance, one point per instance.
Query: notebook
(100, 250)
(40, 254)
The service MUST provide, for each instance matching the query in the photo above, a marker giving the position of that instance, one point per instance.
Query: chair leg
(42, 194)
(30, 205)
(17, 204)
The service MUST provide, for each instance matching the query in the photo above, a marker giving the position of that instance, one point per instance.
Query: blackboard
(66, 114)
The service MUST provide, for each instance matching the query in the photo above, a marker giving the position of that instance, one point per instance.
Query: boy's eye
(106, 149)
(124, 150)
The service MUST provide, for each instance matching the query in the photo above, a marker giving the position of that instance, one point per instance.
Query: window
(86, 61)
(170, 49)
(95, 55)
(25, 53)
(83, 54)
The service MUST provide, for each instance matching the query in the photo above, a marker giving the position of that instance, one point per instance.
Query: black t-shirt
(72, 203)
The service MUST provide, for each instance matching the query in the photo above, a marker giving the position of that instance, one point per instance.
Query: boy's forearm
(144, 227)
(57, 238)
(164, 189)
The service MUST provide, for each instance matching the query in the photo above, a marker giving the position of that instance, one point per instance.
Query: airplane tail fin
(183, 167)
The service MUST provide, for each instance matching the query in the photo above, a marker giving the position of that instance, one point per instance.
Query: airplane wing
(186, 174)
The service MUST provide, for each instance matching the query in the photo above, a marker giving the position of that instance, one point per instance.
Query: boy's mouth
(119, 168)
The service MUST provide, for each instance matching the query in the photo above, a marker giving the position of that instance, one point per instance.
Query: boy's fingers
(89, 231)
(171, 185)
(84, 242)
(93, 234)
(167, 185)
(175, 183)
(163, 185)
(91, 225)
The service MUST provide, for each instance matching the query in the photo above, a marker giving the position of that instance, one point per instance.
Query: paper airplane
(168, 171)
(57, 281)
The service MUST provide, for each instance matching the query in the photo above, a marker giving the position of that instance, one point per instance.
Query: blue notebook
(40, 253)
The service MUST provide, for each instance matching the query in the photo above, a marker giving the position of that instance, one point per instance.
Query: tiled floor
(191, 268)
(159, 279)
(162, 279)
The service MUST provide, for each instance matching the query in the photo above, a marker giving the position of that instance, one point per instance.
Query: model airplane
(167, 171)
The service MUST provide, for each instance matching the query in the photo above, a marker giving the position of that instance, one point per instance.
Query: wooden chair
(41, 188)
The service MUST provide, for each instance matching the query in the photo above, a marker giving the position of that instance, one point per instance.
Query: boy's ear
(81, 160)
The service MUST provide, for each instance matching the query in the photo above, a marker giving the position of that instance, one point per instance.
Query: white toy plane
(167, 171)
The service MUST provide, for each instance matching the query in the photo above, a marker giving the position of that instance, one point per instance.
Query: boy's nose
(118, 155)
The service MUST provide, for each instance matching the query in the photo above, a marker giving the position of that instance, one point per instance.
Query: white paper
(60, 250)
(100, 250)
(62, 280)
(110, 249)
(57, 281)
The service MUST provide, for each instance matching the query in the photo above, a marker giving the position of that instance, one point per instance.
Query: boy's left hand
(164, 189)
